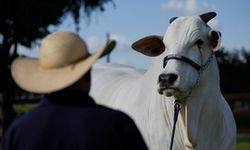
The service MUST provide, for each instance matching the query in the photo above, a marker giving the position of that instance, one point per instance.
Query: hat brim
(28, 74)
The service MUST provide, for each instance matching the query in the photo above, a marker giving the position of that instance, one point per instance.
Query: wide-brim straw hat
(64, 59)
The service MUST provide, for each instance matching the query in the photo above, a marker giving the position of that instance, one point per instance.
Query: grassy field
(243, 143)
(22, 108)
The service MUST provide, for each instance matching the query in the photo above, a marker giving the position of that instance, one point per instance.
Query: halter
(196, 66)
(199, 68)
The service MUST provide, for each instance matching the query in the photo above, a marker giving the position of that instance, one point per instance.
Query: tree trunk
(7, 86)
(7, 105)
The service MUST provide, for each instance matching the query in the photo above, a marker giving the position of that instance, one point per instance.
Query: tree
(234, 70)
(23, 22)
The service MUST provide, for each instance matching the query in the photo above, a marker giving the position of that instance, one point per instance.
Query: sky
(129, 20)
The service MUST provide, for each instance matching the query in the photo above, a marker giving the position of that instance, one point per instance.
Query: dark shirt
(73, 121)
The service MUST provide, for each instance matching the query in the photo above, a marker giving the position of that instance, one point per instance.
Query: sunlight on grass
(22, 108)
(243, 143)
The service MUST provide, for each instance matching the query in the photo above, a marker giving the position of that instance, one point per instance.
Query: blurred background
(23, 23)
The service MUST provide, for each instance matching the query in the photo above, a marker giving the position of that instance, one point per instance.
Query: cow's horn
(172, 19)
(208, 16)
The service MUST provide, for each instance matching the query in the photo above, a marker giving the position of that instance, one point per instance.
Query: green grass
(22, 108)
(243, 143)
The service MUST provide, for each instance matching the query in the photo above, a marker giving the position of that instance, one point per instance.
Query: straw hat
(64, 59)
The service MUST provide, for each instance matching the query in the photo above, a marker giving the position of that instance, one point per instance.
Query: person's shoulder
(27, 118)
(110, 110)
(18, 123)
(115, 114)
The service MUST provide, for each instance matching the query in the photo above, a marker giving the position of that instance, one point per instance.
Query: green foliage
(235, 57)
(234, 68)
(242, 121)
(20, 109)
(243, 143)
(25, 21)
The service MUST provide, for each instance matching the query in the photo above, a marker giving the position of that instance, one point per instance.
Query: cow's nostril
(161, 78)
(168, 79)
(172, 77)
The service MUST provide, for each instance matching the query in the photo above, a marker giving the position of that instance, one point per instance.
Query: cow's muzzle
(166, 82)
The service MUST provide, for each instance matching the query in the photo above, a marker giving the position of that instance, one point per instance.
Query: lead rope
(177, 107)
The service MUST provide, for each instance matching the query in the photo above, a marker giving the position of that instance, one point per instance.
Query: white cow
(184, 68)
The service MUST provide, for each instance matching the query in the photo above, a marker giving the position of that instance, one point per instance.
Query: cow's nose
(168, 79)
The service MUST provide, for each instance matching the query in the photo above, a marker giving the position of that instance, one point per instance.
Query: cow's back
(112, 82)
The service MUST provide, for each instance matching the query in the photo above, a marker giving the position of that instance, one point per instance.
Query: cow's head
(187, 45)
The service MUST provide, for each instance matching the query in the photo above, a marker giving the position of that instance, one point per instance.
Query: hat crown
(61, 49)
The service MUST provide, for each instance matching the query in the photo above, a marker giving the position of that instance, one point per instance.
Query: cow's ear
(150, 45)
(214, 39)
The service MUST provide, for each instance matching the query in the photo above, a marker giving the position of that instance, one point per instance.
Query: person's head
(64, 63)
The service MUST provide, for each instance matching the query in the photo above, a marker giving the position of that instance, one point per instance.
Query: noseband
(196, 66)
(199, 68)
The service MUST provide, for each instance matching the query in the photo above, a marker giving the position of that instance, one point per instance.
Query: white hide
(205, 122)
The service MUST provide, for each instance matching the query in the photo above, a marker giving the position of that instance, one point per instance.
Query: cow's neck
(200, 104)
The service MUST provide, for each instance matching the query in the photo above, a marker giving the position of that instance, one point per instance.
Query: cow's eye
(199, 42)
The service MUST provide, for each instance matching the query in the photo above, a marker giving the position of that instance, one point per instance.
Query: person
(67, 117)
